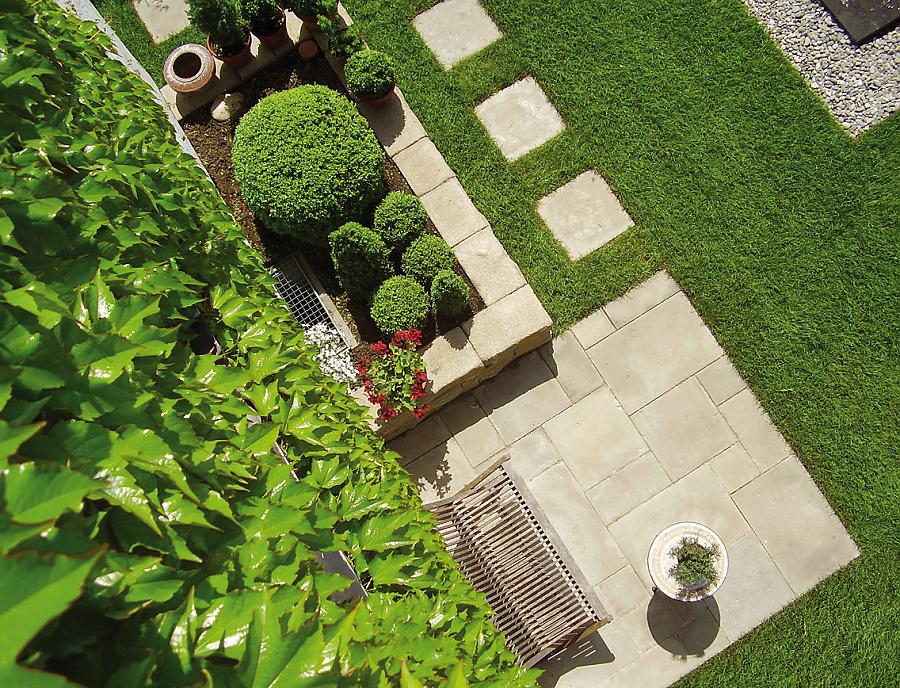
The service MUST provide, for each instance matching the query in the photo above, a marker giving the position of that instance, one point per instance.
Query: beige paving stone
(423, 166)
(644, 477)
(641, 299)
(584, 214)
(595, 437)
(683, 428)
(590, 660)
(734, 467)
(260, 58)
(471, 428)
(441, 472)
(425, 436)
(754, 588)
(570, 364)
(580, 528)
(612, 498)
(702, 639)
(755, 430)
(622, 592)
(509, 325)
(519, 118)
(796, 525)
(593, 328)
(637, 623)
(455, 29)
(450, 360)
(394, 123)
(162, 18)
(656, 668)
(697, 497)
(533, 454)
(655, 352)
(720, 380)
(487, 264)
(452, 212)
(521, 398)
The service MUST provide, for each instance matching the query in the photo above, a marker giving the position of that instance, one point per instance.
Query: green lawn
(781, 228)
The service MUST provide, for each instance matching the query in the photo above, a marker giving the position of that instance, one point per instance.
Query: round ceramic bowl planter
(660, 562)
(189, 68)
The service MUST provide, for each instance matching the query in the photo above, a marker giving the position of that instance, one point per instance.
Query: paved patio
(629, 422)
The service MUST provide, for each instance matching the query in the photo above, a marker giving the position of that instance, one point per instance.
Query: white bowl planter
(660, 562)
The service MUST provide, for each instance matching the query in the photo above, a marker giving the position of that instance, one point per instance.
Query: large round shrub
(426, 257)
(307, 162)
(400, 218)
(449, 293)
(361, 259)
(399, 304)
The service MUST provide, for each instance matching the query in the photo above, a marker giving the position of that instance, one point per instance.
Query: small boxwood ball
(449, 293)
(426, 257)
(370, 74)
(361, 259)
(400, 218)
(399, 304)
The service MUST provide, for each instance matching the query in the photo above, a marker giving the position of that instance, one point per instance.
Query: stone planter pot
(659, 561)
(273, 40)
(189, 68)
(235, 61)
(379, 101)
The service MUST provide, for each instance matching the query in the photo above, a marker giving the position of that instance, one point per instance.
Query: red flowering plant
(394, 376)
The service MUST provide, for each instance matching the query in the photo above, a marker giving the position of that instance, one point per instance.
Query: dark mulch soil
(212, 140)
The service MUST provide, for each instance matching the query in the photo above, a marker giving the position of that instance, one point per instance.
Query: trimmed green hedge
(148, 532)
(307, 162)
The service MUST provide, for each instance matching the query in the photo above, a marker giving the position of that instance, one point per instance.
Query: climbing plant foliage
(148, 534)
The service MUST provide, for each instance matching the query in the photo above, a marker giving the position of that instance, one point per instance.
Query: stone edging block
(490, 268)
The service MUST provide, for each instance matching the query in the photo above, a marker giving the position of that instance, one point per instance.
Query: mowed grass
(121, 15)
(780, 227)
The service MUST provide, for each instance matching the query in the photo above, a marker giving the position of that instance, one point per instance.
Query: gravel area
(859, 84)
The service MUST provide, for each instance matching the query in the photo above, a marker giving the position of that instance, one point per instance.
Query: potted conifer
(228, 37)
(266, 20)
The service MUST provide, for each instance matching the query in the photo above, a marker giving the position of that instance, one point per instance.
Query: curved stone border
(513, 323)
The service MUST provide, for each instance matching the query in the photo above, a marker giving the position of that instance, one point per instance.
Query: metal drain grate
(301, 298)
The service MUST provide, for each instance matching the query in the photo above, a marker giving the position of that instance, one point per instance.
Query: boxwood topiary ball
(425, 257)
(449, 293)
(399, 304)
(361, 259)
(307, 162)
(370, 74)
(400, 218)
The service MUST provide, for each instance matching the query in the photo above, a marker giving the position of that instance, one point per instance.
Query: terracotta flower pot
(380, 101)
(189, 68)
(235, 61)
(312, 21)
(273, 40)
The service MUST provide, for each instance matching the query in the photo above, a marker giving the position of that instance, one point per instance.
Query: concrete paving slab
(612, 498)
(571, 514)
(533, 454)
(423, 166)
(584, 214)
(425, 436)
(654, 669)
(297, 32)
(490, 268)
(683, 428)
(519, 118)
(162, 18)
(522, 397)
(452, 212)
(655, 352)
(595, 437)
(394, 123)
(583, 664)
(698, 497)
(637, 623)
(644, 477)
(754, 588)
(622, 592)
(720, 380)
(441, 472)
(570, 364)
(734, 467)
(593, 328)
(455, 29)
(755, 430)
(641, 299)
(795, 524)
(261, 57)
(450, 360)
(470, 426)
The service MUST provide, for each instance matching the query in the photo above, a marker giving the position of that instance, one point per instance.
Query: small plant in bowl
(370, 75)
(695, 564)
(394, 376)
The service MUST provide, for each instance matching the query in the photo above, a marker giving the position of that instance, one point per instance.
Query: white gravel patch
(859, 84)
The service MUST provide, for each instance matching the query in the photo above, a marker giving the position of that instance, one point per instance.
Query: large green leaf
(35, 494)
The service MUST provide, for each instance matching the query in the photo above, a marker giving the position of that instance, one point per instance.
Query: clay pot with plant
(311, 12)
(342, 43)
(266, 21)
(370, 75)
(228, 36)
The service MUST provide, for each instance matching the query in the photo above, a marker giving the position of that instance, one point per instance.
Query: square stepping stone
(584, 214)
(520, 118)
(162, 17)
(455, 29)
